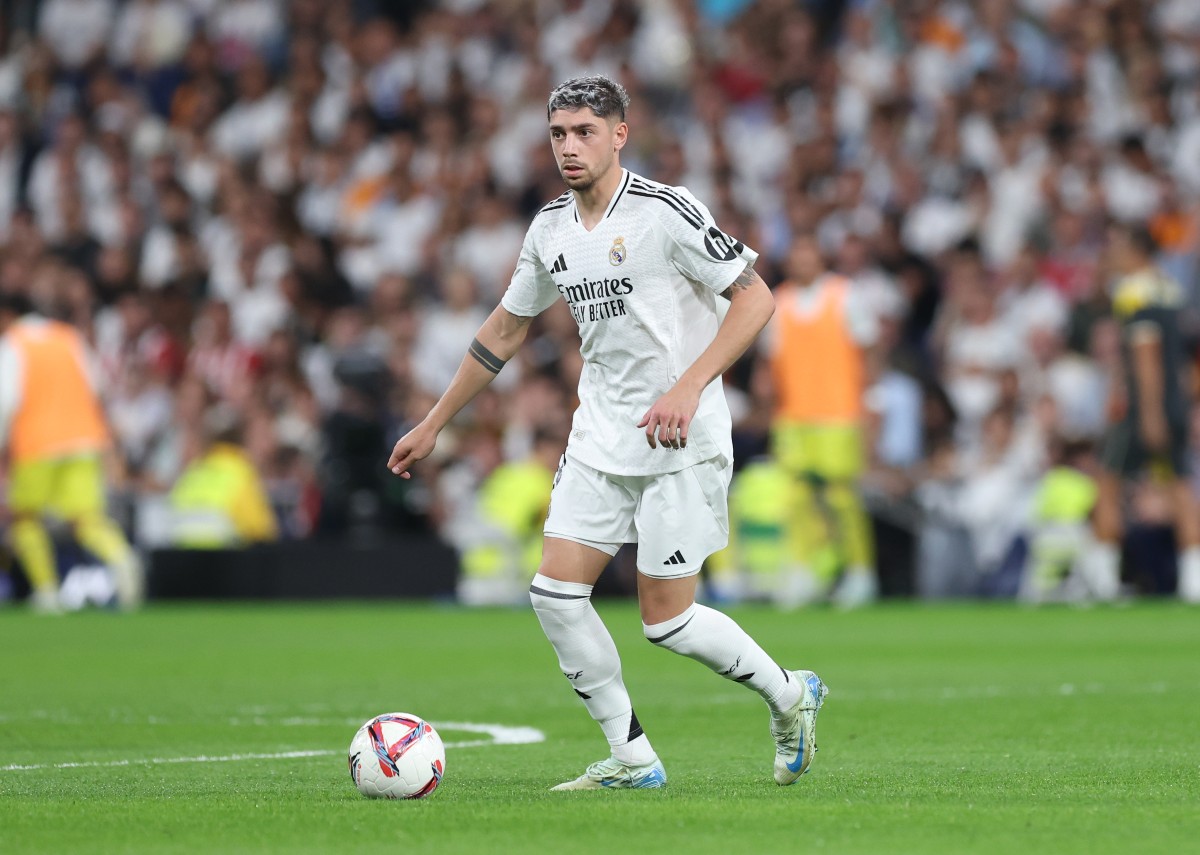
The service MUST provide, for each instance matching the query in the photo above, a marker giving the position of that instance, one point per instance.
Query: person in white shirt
(75, 30)
(665, 302)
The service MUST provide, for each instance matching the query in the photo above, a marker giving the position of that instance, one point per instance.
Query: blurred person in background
(816, 343)
(54, 437)
(1060, 526)
(502, 545)
(356, 498)
(219, 501)
(1151, 438)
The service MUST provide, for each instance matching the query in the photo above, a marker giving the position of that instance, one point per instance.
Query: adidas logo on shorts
(677, 558)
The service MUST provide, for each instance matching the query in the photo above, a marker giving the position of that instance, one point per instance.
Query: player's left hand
(670, 417)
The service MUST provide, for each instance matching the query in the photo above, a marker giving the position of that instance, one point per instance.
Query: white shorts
(677, 520)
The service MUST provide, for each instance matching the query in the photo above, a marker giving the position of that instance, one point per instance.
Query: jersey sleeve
(697, 247)
(531, 290)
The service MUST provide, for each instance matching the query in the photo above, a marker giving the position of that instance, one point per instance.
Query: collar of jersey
(626, 176)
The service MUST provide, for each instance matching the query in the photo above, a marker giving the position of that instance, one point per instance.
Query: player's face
(804, 260)
(585, 145)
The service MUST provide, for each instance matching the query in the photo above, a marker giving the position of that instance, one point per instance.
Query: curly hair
(602, 96)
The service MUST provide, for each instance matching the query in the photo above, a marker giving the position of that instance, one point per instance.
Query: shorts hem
(681, 575)
(609, 549)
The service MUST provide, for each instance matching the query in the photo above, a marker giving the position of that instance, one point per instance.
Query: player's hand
(415, 445)
(1153, 428)
(669, 418)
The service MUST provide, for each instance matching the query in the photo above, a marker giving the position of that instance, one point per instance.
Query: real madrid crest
(617, 254)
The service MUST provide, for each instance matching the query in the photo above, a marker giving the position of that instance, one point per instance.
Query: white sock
(715, 639)
(1103, 570)
(589, 659)
(1189, 575)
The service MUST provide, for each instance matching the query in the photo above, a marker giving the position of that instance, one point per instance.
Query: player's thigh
(837, 452)
(832, 452)
(79, 488)
(791, 446)
(681, 519)
(590, 518)
(571, 561)
(31, 486)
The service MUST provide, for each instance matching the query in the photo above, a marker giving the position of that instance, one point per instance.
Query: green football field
(955, 729)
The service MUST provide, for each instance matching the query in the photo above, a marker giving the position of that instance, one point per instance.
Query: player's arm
(1146, 351)
(751, 305)
(497, 341)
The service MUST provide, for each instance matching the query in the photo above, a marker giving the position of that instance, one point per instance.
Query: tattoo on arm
(745, 279)
(485, 357)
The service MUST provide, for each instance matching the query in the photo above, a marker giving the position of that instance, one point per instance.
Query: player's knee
(547, 594)
(666, 632)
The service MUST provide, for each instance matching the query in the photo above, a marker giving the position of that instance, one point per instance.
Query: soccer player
(648, 277)
(1152, 436)
(55, 432)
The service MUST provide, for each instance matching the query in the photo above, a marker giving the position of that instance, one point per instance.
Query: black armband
(485, 357)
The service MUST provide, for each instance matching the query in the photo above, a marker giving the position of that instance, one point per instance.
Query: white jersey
(643, 286)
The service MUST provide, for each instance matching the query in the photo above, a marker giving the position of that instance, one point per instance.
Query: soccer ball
(397, 756)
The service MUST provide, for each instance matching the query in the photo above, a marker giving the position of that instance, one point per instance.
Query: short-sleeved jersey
(1148, 302)
(643, 286)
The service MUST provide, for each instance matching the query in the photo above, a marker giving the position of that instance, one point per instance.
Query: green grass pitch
(949, 729)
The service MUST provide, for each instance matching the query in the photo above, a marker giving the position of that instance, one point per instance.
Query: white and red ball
(397, 756)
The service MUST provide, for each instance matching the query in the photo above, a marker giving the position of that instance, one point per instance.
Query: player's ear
(620, 136)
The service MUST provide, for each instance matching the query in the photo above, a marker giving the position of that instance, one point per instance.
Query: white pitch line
(500, 735)
(158, 761)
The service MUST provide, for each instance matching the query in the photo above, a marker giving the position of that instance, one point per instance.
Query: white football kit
(643, 286)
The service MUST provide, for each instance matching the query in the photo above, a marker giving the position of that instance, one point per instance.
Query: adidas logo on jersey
(677, 558)
(560, 265)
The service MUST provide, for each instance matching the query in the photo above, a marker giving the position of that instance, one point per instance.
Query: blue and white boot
(612, 774)
(795, 731)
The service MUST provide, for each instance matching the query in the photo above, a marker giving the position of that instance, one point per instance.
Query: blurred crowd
(291, 217)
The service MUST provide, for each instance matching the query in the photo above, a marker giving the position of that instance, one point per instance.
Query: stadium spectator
(501, 542)
(219, 501)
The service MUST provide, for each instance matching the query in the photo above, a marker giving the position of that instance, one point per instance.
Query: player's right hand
(415, 445)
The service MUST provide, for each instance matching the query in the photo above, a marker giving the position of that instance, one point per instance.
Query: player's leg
(1187, 531)
(585, 500)
(1186, 510)
(1101, 565)
(807, 531)
(79, 497)
(561, 596)
(682, 516)
(671, 618)
(840, 463)
(30, 484)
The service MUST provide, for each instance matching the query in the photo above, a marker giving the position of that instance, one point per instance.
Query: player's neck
(593, 202)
